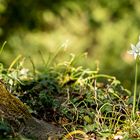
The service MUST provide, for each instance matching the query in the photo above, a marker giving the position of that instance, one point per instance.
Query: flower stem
(135, 91)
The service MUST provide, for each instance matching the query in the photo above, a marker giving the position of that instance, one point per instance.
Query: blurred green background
(102, 28)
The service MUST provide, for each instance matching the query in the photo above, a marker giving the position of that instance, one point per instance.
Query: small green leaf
(87, 119)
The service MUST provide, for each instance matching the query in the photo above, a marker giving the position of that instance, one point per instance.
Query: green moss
(11, 108)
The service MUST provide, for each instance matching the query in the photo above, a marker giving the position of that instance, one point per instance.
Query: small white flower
(65, 44)
(118, 137)
(135, 50)
(24, 71)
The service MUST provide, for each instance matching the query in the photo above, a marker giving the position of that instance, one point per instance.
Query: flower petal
(133, 47)
(138, 45)
(135, 55)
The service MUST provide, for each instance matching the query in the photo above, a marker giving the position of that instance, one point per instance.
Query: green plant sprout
(135, 51)
(3, 45)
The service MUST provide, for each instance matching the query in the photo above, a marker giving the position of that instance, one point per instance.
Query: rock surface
(40, 129)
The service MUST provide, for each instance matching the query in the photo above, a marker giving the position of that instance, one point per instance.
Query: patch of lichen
(11, 108)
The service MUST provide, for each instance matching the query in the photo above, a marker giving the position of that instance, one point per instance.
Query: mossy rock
(15, 112)
(11, 108)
